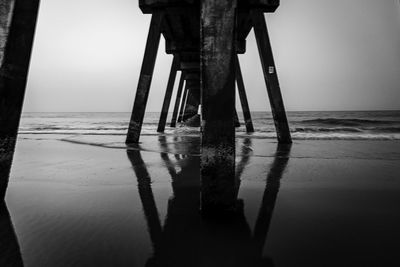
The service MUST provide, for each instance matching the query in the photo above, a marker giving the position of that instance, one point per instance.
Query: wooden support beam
(183, 104)
(243, 98)
(271, 77)
(178, 100)
(189, 98)
(218, 21)
(146, 76)
(237, 122)
(168, 95)
(193, 97)
(17, 29)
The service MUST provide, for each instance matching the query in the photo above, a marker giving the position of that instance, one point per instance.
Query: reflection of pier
(10, 254)
(188, 239)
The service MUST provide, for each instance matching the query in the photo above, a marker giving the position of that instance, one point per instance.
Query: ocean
(305, 125)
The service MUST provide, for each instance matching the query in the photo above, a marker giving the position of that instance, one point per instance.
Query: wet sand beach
(95, 203)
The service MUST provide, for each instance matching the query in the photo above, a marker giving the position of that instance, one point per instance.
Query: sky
(330, 55)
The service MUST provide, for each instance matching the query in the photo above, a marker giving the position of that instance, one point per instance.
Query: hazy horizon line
(348, 110)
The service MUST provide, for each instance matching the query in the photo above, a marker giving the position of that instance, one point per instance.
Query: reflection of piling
(17, 27)
(245, 157)
(146, 196)
(10, 254)
(274, 177)
(186, 239)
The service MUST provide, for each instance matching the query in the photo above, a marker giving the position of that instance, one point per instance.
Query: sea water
(304, 125)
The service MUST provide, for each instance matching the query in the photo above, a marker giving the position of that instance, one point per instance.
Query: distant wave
(49, 128)
(336, 129)
(394, 129)
(389, 129)
(353, 137)
(349, 122)
(69, 133)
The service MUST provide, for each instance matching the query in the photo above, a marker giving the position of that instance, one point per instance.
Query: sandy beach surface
(89, 201)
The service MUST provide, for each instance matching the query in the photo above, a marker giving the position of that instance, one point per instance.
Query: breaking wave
(349, 122)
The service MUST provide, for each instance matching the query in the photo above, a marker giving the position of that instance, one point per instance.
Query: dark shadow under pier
(186, 238)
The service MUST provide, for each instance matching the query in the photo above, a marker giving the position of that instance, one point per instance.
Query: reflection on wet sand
(6, 157)
(187, 239)
(10, 254)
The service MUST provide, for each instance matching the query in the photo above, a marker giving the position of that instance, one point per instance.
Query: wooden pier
(204, 38)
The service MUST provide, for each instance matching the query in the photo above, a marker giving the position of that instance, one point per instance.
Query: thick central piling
(218, 19)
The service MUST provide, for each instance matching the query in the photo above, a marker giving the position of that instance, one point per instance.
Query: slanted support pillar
(168, 95)
(178, 100)
(193, 97)
(146, 75)
(243, 98)
(183, 104)
(271, 77)
(17, 28)
(218, 21)
(237, 122)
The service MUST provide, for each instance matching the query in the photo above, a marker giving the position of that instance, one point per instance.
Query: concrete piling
(183, 104)
(271, 77)
(217, 26)
(178, 100)
(17, 28)
(146, 76)
(168, 95)
(243, 98)
(193, 96)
